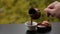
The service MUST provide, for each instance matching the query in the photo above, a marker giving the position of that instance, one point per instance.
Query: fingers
(53, 9)
(47, 12)
(50, 10)
(53, 4)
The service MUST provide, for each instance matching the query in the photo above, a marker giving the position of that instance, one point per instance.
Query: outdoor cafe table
(21, 28)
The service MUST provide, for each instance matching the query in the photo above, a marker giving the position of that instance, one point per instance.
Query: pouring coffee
(34, 13)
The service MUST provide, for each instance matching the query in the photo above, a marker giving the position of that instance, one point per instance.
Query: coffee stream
(31, 20)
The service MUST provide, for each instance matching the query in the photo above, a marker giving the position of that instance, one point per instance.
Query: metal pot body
(35, 14)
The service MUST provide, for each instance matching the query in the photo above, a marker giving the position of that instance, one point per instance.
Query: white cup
(31, 27)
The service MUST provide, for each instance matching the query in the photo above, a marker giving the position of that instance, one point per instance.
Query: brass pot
(34, 14)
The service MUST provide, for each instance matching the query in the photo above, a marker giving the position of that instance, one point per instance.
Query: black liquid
(32, 11)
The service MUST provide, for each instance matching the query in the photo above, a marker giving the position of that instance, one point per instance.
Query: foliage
(16, 11)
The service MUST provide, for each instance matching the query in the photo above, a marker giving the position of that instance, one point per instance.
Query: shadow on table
(30, 32)
(35, 32)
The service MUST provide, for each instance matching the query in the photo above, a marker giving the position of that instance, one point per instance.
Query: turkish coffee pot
(34, 13)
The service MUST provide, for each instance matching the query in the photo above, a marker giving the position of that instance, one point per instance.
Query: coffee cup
(31, 26)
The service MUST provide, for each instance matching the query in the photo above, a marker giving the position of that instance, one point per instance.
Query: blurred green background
(16, 11)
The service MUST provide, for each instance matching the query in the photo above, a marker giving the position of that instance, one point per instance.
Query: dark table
(21, 29)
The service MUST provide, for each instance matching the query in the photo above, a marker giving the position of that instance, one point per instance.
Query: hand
(53, 9)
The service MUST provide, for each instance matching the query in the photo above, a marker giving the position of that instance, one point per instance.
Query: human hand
(53, 9)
